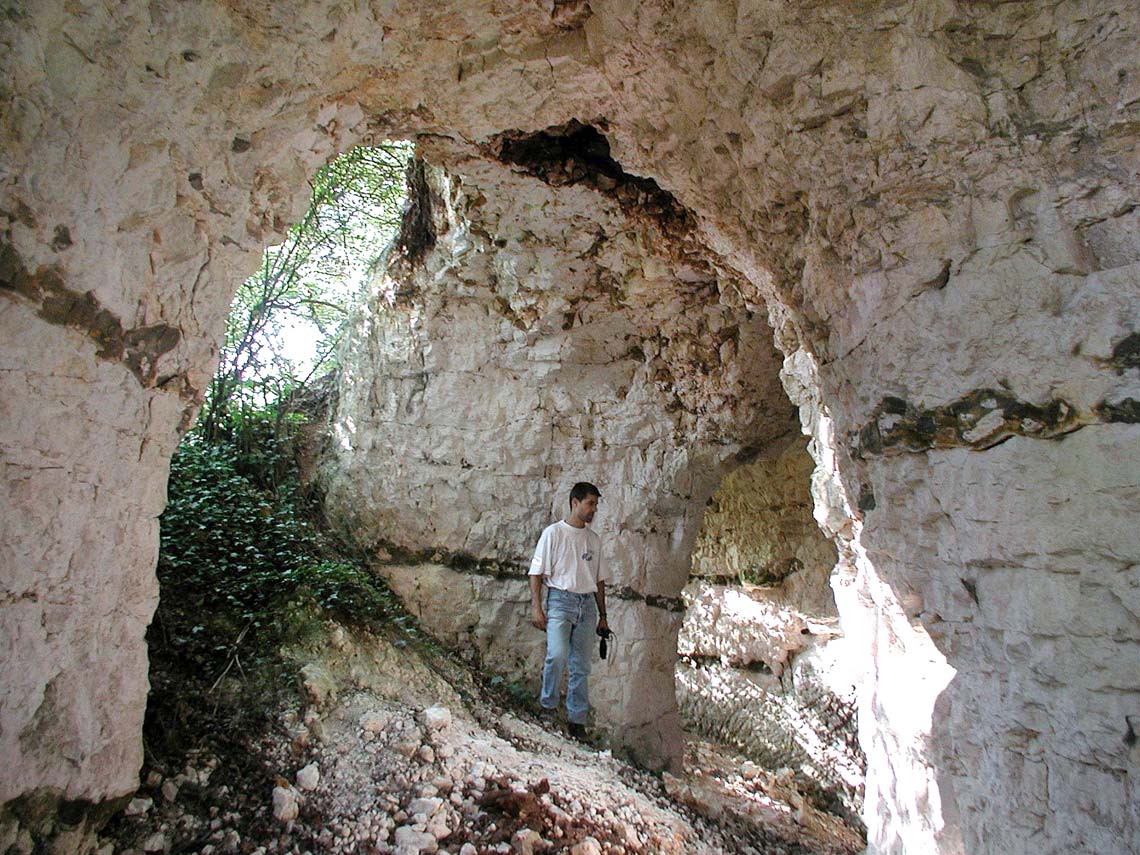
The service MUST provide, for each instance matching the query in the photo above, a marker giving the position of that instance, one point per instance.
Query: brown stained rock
(417, 229)
(139, 348)
(577, 153)
(979, 420)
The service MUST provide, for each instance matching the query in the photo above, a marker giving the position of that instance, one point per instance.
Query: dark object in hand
(605, 635)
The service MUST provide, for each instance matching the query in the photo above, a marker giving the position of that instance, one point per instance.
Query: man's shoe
(548, 715)
(578, 731)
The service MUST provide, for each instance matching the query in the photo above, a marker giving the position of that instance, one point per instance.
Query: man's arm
(537, 615)
(600, 599)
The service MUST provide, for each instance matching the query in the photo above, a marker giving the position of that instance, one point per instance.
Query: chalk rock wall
(130, 207)
(759, 530)
(934, 201)
(763, 664)
(548, 337)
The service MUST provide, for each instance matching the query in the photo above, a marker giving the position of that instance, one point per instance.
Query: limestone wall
(550, 337)
(763, 664)
(759, 530)
(935, 201)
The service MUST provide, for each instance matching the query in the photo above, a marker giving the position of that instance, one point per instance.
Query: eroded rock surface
(397, 757)
(935, 203)
(764, 666)
(550, 336)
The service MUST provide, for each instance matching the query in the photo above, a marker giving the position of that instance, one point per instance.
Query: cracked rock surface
(933, 204)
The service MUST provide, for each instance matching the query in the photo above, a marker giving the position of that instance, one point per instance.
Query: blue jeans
(571, 620)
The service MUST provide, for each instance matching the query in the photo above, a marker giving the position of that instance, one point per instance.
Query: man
(568, 559)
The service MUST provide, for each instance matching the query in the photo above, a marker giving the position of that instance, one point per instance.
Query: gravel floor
(380, 753)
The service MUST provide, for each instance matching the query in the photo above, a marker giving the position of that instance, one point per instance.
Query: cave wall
(549, 336)
(759, 530)
(763, 664)
(935, 202)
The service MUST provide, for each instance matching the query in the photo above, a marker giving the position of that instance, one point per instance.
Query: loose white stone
(426, 806)
(588, 846)
(407, 747)
(285, 804)
(439, 825)
(138, 806)
(417, 841)
(308, 777)
(318, 683)
(437, 718)
(524, 841)
(374, 721)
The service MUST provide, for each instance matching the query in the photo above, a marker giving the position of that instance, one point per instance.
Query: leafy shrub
(244, 568)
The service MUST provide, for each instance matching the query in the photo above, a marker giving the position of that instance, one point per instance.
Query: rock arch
(935, 203)
(563, 327)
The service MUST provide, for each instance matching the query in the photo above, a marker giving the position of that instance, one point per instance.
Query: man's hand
(603, 623)
(537, 618)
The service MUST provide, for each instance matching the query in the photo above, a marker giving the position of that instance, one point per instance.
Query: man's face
(585, 509)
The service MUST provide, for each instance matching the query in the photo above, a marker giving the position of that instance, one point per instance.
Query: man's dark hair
(581, 490)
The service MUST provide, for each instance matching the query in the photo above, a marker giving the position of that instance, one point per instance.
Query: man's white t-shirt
(570, 558)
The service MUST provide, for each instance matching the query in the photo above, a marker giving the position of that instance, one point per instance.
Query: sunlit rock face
(550, 336)
(764, 666)
(935, 202)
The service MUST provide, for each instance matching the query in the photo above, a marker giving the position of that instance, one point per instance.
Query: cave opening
(933, 208)
(665, 379)
(245, 562)
(763, 667)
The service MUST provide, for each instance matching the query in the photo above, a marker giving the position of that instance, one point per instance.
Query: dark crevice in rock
(656, 601)
(705, 660)
(577, 153)
(51, 822)
(386, 552)
(417, 229)
(726, 579)
(866, 498)
(570, 14)
(971, 589)
(1126, 353)
(62, 239)
(979, 420)
(939, 282)
(139, 348)
(1124, 411)
(1131, 722)
(771, 573)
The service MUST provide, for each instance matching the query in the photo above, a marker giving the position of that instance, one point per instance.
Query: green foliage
(308, 281)
(513, 693)
(244, 569)
(240, 542)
